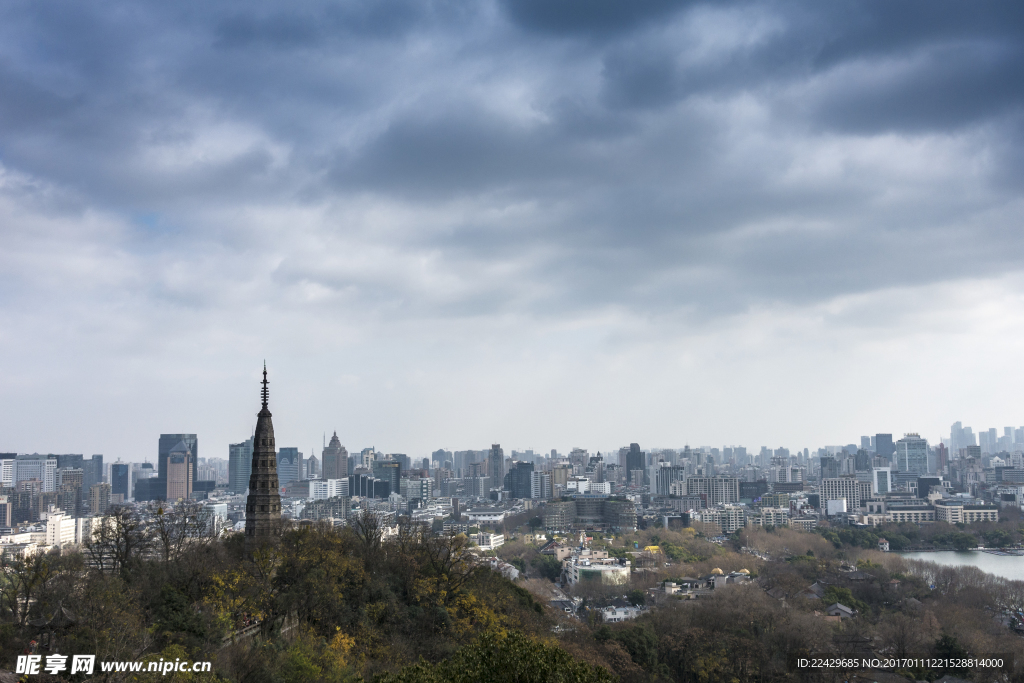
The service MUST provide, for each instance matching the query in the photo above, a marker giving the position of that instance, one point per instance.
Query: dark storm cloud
(588, 16)
(658, 146)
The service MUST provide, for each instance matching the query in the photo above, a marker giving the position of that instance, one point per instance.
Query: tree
(368, 526)
(119, 542)
(178, 526)
(503, 658)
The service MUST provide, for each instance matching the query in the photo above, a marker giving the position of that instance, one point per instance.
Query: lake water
(1006, 567)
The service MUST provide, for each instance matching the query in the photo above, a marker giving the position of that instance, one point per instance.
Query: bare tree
(22, 579)
(450, 559)
(119, 542)
(369, 529)
(177, 527)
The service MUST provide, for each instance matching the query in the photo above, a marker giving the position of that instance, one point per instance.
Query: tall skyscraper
(635, 461)
(167, 442)
(289, 462)
(829, 467)
(263, 506)
(69, 491)
(93, 471)
(180, 466)
(335, 460)
(496, 466)
(942, 458)
(389, 471)
(121, 479)
(239, 466)
(99, 498)
(313, 468)
(912, 454)
(519, 480)
(884, 445)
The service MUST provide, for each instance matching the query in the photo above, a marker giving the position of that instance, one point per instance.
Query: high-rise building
(912, 454)
(881, 480)
(829, 467)
(239, 466)
(121, 479)
(180, 465)
(389, 471)
(942, 458)
(312, 468)
(288, 464)
(93, 468)
(263, 505)
(496, 466)
(846, 487)
(42, 468)
(635, 459)
(99, 498)
(884, 445)
(71, 461)
(668, 475)
(335, 460)
(716, 490)
(69, 491)
(540, 485)
(167, 442)
(519, 480)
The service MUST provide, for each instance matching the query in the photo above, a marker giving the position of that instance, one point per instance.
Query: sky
(539, 223)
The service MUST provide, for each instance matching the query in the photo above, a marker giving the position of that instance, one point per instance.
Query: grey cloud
(583, 16)
(626, 173)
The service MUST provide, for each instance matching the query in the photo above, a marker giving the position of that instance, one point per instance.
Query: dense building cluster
(49, 500)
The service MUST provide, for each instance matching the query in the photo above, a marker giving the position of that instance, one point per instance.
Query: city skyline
(517, 223)
(1014, 435)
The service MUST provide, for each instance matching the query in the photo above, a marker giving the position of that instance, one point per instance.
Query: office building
(289, 465)
(69, 491)
(37, 467)
(884, 445)
(99, 498)
(830, 468)
(322, 489)
(540, 485)
(239, 466)
(666, 476)
(93, 471)
(389, 471)
(716, 490)
(912, 454)
(121, 480)
(335, 461)
(496, 466)
(881, 480)
(635, 460)
(849, 489)
(180, 464)
(166, 443)
(519, 480)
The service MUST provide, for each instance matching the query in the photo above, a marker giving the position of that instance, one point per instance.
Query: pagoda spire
(263, 505)
(265, 392)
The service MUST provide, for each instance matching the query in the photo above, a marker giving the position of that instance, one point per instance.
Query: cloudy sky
(544, 223)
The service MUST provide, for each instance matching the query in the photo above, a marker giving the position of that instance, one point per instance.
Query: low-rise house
(883, 545)
(837, 609)
(488, 541)
(604, 570)
(504, 568)
(617, 614)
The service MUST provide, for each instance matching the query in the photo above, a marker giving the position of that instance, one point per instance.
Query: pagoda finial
(265, 392)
